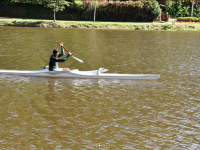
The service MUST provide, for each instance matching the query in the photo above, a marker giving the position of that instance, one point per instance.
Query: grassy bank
(173, 26)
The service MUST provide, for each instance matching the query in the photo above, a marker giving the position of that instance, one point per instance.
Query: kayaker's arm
(61, 44)
(62, 52)
(62, 60)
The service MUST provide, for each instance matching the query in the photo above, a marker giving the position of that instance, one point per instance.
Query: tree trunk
(95, 10)
(192, 8)
(54, 16)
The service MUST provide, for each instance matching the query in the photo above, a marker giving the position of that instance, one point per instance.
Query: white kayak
(93, 74)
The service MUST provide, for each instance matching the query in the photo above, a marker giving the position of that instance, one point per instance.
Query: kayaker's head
(55, 52)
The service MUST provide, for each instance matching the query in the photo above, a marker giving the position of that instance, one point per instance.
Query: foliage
(189, 19)
(164, 2)
(57, 5)
(30, 1)
(181, 8)
(156, 11)
(6, 2)
(142, 10)
(43, 2)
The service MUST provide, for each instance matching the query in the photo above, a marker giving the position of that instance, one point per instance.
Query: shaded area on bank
(135, 11)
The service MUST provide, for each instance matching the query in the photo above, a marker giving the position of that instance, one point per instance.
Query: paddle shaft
(63, 47)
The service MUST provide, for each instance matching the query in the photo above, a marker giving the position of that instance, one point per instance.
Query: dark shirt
(53, 62)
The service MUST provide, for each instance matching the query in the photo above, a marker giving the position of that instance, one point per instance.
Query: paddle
(71, 55)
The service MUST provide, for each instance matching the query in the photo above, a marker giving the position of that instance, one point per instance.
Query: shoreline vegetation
(161, 26)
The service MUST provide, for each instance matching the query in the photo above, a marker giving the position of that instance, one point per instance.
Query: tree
(165, 2)
(192, 8)
(57, 5)
(6, 2)
(95, 6)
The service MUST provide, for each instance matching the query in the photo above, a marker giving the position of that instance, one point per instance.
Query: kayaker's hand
(61, 44)
(69, 54)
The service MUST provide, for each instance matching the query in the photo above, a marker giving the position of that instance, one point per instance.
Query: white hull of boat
(94, 74)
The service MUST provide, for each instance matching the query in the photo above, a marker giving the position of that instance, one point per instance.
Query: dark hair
(55, 51)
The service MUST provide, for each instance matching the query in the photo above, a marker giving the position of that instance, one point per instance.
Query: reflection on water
(53, 113)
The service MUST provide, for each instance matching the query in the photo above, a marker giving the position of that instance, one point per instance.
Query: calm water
(46, 113)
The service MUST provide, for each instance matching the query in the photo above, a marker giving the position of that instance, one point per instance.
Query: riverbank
(172, 26)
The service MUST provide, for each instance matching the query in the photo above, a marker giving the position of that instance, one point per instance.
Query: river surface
(53, 113)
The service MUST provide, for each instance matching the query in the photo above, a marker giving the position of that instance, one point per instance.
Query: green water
(48, 113)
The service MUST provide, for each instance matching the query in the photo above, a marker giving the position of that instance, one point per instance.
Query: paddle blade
(77, 59)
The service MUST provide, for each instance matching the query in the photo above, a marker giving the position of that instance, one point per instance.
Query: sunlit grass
(170, 26)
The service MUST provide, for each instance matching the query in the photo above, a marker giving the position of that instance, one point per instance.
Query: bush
(147, 10)
(189, 19)
(182, 8)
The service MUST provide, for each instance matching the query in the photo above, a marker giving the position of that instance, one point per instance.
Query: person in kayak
(54, 59)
